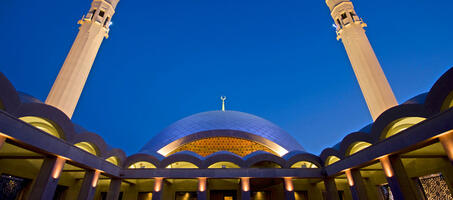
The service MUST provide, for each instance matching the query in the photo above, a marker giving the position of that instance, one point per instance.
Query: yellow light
(95, 178)
(202, 184)
(158, 184)
(245, 184)
(58, 167)
(446, 140)
(385, 162)
(349, 177)
(289, 184)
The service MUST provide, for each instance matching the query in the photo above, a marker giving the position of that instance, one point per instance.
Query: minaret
(73, 74)
(350, 29)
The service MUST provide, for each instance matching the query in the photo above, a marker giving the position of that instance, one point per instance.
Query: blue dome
(223, 123)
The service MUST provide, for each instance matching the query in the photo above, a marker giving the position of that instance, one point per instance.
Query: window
(339, 23)
(343, 16)
(101, 13)
(106, 21)
(92, 13)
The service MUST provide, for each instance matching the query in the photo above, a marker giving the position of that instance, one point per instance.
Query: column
(157, 194)
(401, 185)
(289, 188)
(47, 180)
(89, 184)
(114, 189)
(202, 194)
(331, 189)
(245, 188)
(447, 142)
(356, 185)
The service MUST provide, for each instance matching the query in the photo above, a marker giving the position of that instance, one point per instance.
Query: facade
(406, 153)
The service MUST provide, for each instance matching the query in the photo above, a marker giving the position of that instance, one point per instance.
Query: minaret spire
(71, 79)
(373, 83)
(223, 98)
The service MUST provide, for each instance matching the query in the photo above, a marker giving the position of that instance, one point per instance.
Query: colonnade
(397, 177)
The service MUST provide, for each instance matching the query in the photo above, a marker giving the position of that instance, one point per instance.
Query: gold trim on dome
(208, 146)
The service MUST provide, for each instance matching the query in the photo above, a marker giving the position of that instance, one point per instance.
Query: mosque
(406, 153)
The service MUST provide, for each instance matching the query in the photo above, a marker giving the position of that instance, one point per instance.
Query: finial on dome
(223, 98)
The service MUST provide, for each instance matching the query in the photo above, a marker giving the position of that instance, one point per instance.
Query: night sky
(280, 60)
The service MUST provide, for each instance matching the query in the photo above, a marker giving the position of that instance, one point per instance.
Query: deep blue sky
(279, 60)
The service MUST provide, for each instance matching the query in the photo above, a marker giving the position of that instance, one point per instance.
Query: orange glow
(158, 184)
(58, 167)
(202, 184)
(447, 142)
(245, 184)
(2, 140)
(349, 177)
(388, 170)
(95, 178)
(289, 184)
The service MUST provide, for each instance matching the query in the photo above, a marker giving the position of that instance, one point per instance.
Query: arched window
(114, 160)
(356, 147)
(142, 165)
(400, 125)
(223, 164)
(88, 147)
(332, 159)
(304, 164)
(44, 125)
(182, 164)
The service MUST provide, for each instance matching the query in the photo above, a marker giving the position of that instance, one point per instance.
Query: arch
(332, 159)
(223, 156)
(114, 160)
(183, 156)
(117, 153)
(301, 156)
(224, 164)
(45, 125)
(142, 165)
(97, 142)
(49, 113)
(356, 147)
(399, 125)
(88, 147)
(266, 164)
(182, 164)
(304, 164)
(448, 102)
(352, 139)
(261, 158)
(141, 159)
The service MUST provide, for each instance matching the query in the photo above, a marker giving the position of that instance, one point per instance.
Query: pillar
(373, 83)
(289, 188)
(157, 194)
(446, 140)
(331, 189)
(68, 86)
(114, 189)
(47, 181)
(356, 184)
(401, 185)
(245, 188)
(202, 193)
(90, 181)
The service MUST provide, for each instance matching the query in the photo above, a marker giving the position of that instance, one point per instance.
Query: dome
(222, 124)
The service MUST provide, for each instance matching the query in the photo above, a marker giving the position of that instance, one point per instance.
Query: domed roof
(223, 123)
